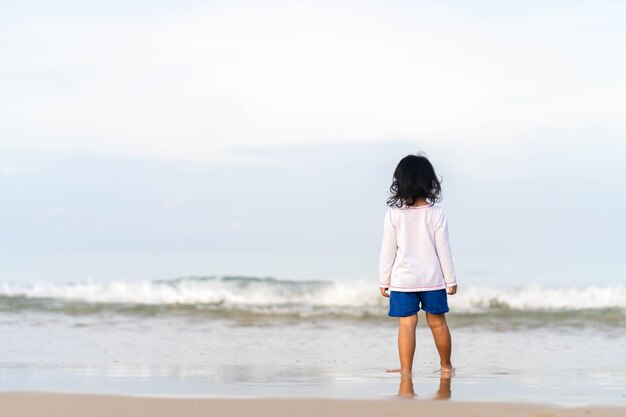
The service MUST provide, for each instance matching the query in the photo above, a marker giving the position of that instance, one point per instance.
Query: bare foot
(393, 370)
(447, 371)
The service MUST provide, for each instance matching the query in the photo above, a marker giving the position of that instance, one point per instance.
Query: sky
(151, 140)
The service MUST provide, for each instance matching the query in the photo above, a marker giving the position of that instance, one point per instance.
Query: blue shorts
(403, 304)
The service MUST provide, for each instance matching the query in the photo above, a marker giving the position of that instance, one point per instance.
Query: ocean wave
(237, 296)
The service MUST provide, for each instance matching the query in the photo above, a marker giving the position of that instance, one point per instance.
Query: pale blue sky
(160, 139)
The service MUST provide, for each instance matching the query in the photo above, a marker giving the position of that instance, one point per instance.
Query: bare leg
(406, 342)
(443, 341)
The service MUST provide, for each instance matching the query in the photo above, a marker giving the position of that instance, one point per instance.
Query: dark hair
(414, 178)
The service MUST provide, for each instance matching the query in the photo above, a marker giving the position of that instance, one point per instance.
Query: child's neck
(420, 202)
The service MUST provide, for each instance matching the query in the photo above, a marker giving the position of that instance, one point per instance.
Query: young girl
(416, 260)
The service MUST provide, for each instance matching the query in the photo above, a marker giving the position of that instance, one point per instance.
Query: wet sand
(35, 404)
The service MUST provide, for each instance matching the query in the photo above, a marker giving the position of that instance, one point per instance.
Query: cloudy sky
(159, 139)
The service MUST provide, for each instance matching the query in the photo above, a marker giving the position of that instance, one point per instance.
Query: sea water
(262, 337)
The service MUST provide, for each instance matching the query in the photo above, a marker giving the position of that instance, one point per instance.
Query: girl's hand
(383, 292)
(452, 290)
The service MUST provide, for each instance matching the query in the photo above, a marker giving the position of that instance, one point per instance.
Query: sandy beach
(27, 404)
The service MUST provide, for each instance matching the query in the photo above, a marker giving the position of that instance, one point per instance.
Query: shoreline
(50, 404)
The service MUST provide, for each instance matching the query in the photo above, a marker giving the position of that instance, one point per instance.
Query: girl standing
(415, 259)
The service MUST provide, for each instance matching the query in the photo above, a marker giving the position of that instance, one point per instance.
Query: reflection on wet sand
(406, 387)
(445, 389)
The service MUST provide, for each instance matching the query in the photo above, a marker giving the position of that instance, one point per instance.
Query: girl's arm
(444, 253)
(387, 251)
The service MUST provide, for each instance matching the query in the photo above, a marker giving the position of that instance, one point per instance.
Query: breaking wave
(235, 296)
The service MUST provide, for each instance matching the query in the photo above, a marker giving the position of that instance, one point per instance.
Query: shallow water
(190, 355)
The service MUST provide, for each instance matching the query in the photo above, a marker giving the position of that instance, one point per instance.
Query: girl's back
(415, 254)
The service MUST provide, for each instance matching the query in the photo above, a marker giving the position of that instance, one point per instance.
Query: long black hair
(414, 178)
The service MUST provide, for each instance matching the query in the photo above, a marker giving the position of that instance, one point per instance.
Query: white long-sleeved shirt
(415, 253)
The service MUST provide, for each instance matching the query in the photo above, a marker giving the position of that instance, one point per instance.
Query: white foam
(537, 297)
(274, 293)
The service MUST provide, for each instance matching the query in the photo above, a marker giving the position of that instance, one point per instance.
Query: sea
(251, 337)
